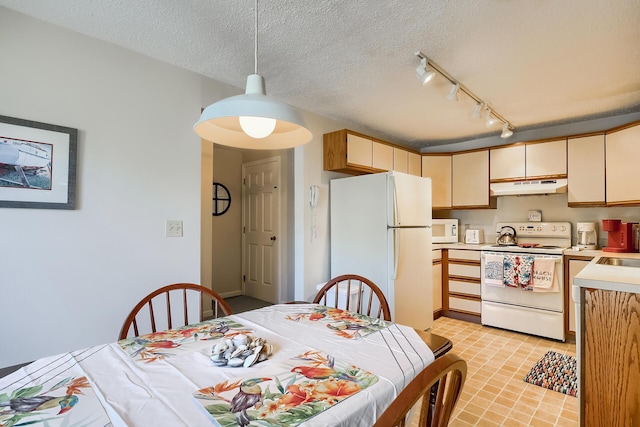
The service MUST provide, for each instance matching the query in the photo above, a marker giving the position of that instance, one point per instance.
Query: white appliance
(381, 229)
(536, 313)
(444, 231)
(524, 188)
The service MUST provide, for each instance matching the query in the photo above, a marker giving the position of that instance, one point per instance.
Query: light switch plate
(173, 228)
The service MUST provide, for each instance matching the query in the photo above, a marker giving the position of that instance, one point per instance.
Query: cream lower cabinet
(575, 267)
(622, 168)
(463, 282)
(437, 282)
(585, 171)
(470, 182)
(438, 168)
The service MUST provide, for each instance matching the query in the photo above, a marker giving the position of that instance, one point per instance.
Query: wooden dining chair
(447, 374)
(367, 297)
(172, 306)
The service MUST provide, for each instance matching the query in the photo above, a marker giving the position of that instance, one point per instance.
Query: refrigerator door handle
(396, 252)
(395, 220)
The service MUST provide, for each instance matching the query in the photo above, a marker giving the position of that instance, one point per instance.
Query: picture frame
(37, 164)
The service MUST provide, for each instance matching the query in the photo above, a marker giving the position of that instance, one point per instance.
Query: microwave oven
(444, 231)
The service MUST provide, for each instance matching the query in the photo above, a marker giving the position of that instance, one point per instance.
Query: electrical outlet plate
(173, 228)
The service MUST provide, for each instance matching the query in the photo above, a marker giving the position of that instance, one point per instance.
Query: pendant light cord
(256, 41)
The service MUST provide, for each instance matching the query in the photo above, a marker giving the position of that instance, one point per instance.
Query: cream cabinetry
(437, 282)
(382, 156)
(351, 152)
(622, 167)
(400, 160)
(508, 162)
(463, 281)
(547, 159)
(470, 181)
(438, 168)
(533, 160)
(414, 161)
(575, 267)
(585, 171)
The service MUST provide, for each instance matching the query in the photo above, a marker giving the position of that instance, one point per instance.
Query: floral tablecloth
(321, 357)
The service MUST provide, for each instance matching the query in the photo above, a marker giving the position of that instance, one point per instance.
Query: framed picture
(37, 165)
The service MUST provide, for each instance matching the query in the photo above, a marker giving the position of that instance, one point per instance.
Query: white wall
(69, 278)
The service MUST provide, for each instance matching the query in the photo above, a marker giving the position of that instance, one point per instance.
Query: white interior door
(261, 245)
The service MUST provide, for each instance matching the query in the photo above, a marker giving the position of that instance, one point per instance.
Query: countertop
(609, 277)
(458, 245)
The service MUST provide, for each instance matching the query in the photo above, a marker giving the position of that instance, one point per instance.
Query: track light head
(453, 93)
(424, 74)
(476, 113)
(506, 131)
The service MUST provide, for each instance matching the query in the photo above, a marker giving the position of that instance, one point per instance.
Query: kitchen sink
(623, 262)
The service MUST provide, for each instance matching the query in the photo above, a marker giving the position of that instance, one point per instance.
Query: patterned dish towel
(544, 275)
(494, 270)
(517, 271)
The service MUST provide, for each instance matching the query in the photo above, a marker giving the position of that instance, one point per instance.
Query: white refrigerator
(381, 229)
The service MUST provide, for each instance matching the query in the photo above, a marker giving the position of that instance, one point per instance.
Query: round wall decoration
(221, 199)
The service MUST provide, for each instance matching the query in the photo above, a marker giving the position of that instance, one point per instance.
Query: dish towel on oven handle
(517, 271)
(494, 270)
(544, 275)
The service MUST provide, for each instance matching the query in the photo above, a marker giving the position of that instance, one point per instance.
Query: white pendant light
(253, 120)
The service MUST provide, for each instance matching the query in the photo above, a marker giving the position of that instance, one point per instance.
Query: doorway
(261, 244)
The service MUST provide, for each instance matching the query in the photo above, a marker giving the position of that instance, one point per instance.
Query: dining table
(281, 365)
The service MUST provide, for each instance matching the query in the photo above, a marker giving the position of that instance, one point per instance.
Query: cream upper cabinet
(438, 168)
(507, 162)
(470, 182)
(382, 156)
(359, 150)
(585, 171)
(622, 166)
(414, 164)
(400, 160)
(546, 159)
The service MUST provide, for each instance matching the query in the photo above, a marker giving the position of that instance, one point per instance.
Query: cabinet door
(623, 169)
(436, 272)
(400, 160)
(382, 156)
(575, 267)
(438, 168)
(359, 150)
(471, 180)
(585, 171)
(507, 162)
(415, 164)
(546, 159)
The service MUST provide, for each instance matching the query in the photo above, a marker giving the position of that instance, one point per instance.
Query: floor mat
(557, 372)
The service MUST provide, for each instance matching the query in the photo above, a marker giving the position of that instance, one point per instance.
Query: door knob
(273, 238)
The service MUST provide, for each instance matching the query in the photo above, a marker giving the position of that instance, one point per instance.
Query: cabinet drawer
(464, 255)
(464, 304)
(436, 255)
(460, 287)
(464, 270)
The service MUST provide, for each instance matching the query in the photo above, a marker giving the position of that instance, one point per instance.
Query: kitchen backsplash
(553, 207)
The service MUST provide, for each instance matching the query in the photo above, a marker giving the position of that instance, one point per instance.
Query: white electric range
(536, 313)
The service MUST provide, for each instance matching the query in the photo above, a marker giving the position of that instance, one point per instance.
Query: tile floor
(494, 393)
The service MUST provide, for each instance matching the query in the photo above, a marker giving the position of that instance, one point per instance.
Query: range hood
(525, 188)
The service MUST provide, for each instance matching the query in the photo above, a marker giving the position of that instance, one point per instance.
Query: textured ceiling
(538, 63)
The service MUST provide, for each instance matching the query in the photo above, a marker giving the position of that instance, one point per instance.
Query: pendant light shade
(231, 121)
(253, 120)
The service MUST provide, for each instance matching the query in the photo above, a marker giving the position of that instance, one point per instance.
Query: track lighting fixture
(453, 93)
(426, 71)
(476, 113)
(506, 132)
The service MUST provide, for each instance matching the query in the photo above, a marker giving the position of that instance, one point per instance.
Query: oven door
(553, 301)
